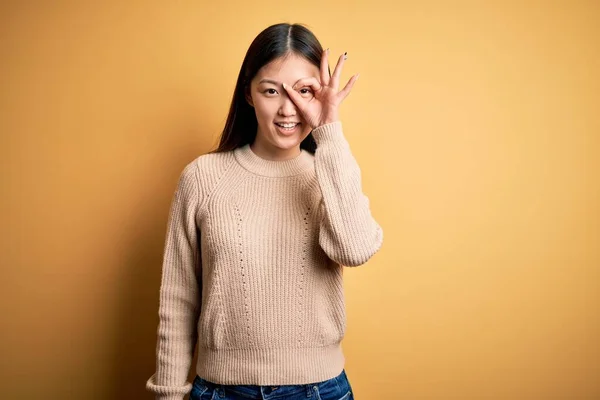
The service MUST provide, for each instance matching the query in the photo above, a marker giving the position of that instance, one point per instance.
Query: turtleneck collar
(260, 166)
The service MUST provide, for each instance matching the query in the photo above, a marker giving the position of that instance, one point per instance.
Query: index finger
(311, 81)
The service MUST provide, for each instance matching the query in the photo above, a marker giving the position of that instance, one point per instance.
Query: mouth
(287, 129)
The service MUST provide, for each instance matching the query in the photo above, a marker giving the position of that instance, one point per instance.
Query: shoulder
(214, 163)
(207, 169)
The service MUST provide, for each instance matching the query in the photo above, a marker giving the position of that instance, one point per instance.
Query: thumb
(295, 96)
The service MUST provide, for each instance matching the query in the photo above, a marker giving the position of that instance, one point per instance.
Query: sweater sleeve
(348, 233)
(179, 300)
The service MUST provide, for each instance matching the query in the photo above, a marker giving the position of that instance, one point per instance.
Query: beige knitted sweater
(252, 266)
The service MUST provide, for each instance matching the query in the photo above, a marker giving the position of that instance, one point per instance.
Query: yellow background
(477, 130)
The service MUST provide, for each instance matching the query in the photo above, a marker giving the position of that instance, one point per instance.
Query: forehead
(288, 68)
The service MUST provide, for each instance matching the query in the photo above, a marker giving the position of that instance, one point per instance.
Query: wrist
(326, 121)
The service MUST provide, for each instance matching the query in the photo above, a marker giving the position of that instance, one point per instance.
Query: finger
(335, 78)
(346, 91)
(325, 67)
(310, 81)
(295, 96)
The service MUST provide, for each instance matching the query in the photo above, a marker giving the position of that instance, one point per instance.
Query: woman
(259, 231)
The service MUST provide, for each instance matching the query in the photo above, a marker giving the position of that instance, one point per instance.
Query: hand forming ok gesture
(323, 107)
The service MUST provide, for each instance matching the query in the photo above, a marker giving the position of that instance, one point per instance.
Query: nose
(287, 108)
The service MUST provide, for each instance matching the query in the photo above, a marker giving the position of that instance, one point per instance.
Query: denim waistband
(268, 391)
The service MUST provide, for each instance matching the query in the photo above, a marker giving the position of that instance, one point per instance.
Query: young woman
(258, 236)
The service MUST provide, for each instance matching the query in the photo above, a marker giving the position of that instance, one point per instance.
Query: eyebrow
(273, 82)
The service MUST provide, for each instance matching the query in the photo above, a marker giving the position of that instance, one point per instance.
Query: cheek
(265, 110)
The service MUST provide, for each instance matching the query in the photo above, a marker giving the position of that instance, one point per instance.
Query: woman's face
(273, 106)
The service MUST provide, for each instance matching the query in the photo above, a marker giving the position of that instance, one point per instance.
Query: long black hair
(279, 40)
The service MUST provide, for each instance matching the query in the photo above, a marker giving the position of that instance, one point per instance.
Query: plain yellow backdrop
(477, 131)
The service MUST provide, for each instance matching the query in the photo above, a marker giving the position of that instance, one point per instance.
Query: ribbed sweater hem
(289, 366)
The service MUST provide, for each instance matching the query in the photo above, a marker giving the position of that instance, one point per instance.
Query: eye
(265, 91)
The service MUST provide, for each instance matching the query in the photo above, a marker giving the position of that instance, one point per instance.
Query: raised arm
(348, 234)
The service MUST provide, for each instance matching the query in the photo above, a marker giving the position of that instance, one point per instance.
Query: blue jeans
(337, 388)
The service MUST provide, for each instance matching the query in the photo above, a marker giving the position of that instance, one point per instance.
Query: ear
(248, 96)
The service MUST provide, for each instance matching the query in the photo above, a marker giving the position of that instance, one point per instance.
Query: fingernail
(327, 51)
(284, 86)
(345, 55)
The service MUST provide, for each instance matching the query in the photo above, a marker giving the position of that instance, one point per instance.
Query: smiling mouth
(290, 126)
(288, 131)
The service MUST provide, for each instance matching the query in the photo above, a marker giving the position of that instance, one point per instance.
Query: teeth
(287, 125)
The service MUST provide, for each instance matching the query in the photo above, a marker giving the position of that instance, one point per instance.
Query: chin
(296, 138)
(287, 143)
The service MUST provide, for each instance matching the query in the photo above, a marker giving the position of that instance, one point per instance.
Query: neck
(254, 163)
(269, 152)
